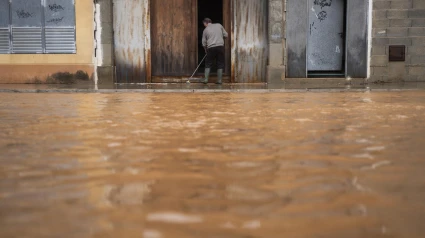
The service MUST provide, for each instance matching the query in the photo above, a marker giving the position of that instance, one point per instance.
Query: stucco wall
(400, 22)
(30, 68)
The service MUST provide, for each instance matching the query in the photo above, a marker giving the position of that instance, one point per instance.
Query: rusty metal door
(174, 37)
(249, 47)
(131, 40)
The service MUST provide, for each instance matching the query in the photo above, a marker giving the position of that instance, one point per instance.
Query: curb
(333, 90)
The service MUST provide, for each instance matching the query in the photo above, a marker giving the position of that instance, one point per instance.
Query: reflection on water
(212, 165)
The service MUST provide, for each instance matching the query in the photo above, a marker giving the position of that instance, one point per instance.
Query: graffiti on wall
(56, 20)
(23, 14)
(323, 3)
(323, 14)
(55, 9)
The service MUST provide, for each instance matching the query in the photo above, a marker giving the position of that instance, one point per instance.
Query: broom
(188, 81)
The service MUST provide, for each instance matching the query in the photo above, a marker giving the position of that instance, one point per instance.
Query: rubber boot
(207, 74)
(219, 76)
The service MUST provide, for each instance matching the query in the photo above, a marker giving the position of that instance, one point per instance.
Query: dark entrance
(214, 11)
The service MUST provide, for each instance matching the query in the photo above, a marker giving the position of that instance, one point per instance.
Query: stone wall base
(106, 75)
(324, 82)
(46, 74)
(275, 74)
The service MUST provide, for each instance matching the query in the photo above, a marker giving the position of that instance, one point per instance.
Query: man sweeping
(213, 42)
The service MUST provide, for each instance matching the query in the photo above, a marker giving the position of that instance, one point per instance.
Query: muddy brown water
(213, 165)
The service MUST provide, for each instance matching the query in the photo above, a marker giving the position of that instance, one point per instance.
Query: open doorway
(176, 49)
(214, 11)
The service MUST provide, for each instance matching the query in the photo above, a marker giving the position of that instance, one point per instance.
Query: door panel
(130, 40)
(250, 44)
(326, 35)
(173, 27)
(227, 25)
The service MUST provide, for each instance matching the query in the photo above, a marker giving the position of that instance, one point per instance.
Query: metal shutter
(4, 41)
(4, 27)
(27, 40)
(60, 40)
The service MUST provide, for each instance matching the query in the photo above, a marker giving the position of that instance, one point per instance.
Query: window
(37, 27)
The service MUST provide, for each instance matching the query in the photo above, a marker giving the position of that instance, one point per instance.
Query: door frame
(228, 20)
(357, 42)
(227, 24)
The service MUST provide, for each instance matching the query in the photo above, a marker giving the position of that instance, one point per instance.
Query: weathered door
(174, 38)
(131, 43)
(227, 24)
(325, 50)
(249, 48)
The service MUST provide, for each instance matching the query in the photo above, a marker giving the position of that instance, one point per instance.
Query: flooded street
(219, 165)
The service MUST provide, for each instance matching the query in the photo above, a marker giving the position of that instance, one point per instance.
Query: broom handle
(198, 67)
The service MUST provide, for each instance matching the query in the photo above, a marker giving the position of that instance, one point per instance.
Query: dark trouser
(215, 53)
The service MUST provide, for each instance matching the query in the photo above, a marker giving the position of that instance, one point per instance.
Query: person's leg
(209, 60)
(220, 64)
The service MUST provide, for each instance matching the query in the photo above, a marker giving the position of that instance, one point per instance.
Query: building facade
(46, 41)
(399, 23)
(151, 41)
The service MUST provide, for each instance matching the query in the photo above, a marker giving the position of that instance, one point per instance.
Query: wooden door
(131, 44)
(173, 33)
(227, 23)
(249, 37)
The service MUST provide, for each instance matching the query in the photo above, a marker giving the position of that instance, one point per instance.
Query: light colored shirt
(214, 35)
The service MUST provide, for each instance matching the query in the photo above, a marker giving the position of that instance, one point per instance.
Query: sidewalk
(195, 87)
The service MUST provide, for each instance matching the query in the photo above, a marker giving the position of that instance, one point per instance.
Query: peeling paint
(98, 42)
(130, 40)
(133, 43)
(249, 52)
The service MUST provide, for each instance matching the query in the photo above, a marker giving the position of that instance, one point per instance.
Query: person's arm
(204, 41)
(225, 35)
